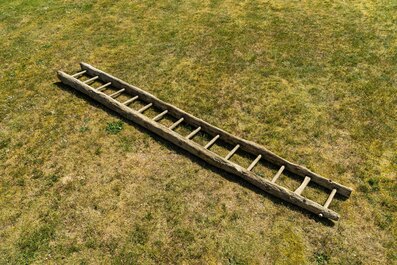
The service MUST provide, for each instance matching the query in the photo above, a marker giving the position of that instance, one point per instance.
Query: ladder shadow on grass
(202, 163)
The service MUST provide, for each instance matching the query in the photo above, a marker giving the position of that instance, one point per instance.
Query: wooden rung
(173, 126)
(193, 133)
(329, 200)
(303, 185)
(231, 153)
(117, 93)
(278, 174)
(145, 107)
(103, 86)
(208, 145)
(161, 115)
(254, 162)
(76, 75)
(91, 79)
(130, 100)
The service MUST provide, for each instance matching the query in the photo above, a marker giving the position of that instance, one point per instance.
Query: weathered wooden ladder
(203, 152)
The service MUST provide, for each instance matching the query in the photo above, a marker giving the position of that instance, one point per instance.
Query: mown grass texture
(314, 81)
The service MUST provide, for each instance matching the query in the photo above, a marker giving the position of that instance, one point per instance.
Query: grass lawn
(313, 81)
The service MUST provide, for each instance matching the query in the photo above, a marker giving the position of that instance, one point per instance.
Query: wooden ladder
(203, 152)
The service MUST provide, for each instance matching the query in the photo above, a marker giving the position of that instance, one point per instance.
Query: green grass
(112, 127)
(313, 81)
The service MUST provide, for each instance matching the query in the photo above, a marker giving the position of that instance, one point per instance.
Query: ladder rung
(90, 80)
(208, 145)
(254, 162)
(173, 126)
(76, 75)
(117, 93)
(161, 115)
(278, 174)
(303, 185)
(231, 153)
(145, 107)
(103, 86)
(193, 133)
(329, 200)
(130, 100)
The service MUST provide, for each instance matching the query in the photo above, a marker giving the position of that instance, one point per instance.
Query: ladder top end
(84, 65)
(61, 73)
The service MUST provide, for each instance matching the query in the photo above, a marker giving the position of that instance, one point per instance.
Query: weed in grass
(54, 178)
(183, 235)
(321, 258)
(83, 129)
(4, 142)
(114, 127)
(374, 183)
(139, 235)
(128, 143)
(98, 150)
(233, 260)
(20, 181)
